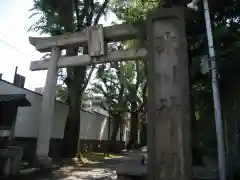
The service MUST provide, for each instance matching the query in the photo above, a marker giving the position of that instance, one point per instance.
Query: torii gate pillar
(169, 152)
(47, 110)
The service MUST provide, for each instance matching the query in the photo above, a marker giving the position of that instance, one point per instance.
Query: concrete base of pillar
(44, 162)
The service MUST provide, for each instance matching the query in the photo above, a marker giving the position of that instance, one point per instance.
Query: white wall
(93, 125)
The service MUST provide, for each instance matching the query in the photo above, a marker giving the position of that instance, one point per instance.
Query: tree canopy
(124, 84)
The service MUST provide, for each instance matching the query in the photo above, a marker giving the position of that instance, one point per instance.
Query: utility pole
(216, 98)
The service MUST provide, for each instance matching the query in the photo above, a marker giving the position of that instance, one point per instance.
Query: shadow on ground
(96, 169)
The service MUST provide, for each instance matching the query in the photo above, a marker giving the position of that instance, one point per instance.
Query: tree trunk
(196, 153)
(143, 134)
(134, 129)
(121, 132)
(122, 144)
(72, 127)
(109, 130)
(113, 142)
(74, 82)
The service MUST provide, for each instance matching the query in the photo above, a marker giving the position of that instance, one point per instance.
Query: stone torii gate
(169, 149)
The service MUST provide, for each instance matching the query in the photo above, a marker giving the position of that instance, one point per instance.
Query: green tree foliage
(120, 84)
(225, 33)
(134, 80)
(133, 11)
(225, 16)
(108, 83)
(67, 16)
(61, 94)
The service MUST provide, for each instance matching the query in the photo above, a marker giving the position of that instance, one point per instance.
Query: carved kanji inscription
(169, 98)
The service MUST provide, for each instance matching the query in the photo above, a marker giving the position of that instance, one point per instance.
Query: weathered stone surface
(204, 173)
(83, 60)
(124, 178)
(43, 162)
(168, 116)
(119, 32)
(96, 41)
(47, 108)
(131, 166)
(131, 169)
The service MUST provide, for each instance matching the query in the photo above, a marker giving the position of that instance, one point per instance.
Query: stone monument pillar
(169, 150)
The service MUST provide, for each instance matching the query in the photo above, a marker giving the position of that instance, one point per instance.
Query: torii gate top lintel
(119, 32)
(96, 37)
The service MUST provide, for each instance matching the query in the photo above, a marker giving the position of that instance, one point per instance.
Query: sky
(15, 48)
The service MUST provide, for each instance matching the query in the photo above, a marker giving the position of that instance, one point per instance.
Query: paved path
(103, 169)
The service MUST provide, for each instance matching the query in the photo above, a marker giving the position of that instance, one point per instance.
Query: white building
(86, 101)
(39, 90)
(90, 102)
(94, 129)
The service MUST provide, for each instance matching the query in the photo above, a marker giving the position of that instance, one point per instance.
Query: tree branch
(84, 12)
(79, 21)
(144, 94)
(119, 74)
(104, 107)
(100, 12)
(87, 79)
(90, 14)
